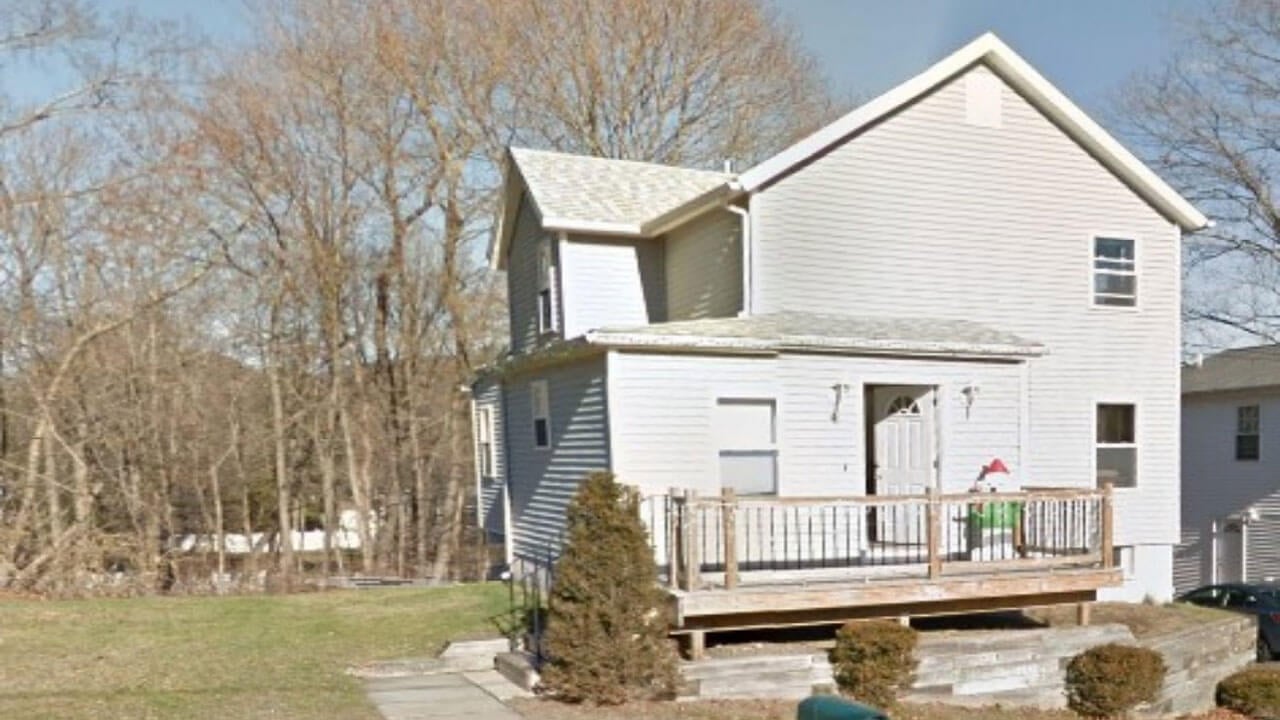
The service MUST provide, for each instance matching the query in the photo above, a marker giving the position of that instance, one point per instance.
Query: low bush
(872, 661)
(1254, 692)
(1109, 680)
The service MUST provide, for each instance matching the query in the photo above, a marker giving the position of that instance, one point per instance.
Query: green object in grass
(995, 515)
(830, 707)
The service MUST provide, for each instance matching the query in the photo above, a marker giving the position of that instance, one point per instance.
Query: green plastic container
(996, 516)
(830, 707)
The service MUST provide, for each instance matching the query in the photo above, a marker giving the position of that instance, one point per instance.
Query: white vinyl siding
(926, 215)
(488, 401)
(1115, 272)
(612, 282)
(664, 431)
(1216, 487)
(543, 482)
(523, 281)
(746, 440)
(704, 268)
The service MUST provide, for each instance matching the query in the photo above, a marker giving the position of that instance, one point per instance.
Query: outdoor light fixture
(840, 389)
(970, 392)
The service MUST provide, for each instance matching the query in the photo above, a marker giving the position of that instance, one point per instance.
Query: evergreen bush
(606, 636)
(1109, 680)
(1253, 691)
(873, 660)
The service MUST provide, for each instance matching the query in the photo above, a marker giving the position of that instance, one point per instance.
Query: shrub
(606, 636)
(1254, 692)
(1108, 680)
(873, 660)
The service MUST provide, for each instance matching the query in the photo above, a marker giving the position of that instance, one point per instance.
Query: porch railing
(695, 536)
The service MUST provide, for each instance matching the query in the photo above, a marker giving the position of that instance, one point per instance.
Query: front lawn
(278, 656)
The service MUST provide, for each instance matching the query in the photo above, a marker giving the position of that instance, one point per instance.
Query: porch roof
(832, 333)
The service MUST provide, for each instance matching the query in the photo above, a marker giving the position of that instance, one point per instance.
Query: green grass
(279, 657)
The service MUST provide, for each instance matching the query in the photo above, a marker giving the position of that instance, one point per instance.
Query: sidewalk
(470, 695)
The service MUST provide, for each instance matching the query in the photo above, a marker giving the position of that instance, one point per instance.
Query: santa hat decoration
(995, 466)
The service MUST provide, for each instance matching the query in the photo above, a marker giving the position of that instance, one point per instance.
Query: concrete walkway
(471, 695)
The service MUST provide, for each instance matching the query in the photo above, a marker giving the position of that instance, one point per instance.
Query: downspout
(745, 218)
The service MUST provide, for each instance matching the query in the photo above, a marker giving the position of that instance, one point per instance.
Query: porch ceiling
(823, 332)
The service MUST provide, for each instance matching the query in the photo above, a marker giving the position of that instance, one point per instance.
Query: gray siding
(1215, 485)
(488, 394)
(522, 278)
(704, 268)
(926, 215)
(612, 282)
(662, 413)
(543, 481)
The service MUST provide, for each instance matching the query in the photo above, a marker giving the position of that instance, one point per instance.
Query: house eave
(737, 345)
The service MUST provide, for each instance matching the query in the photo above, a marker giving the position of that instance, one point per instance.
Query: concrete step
(473, 655)
(518, 668)
(992, 677)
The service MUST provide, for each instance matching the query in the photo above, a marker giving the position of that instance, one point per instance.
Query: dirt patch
(782, 710)
(1143, 620)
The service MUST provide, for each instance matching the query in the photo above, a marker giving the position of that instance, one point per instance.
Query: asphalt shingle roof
(1239, 369)
(581, 188)
(783, 330)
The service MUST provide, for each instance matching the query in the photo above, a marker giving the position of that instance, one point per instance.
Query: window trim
(545, 295)
(1136, 444)
(1092, 254)
(536, 388)
(486, 447)
(1256, 434)
(775, 444)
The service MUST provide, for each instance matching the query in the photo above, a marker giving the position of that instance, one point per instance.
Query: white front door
(904, 456)
(1228, 548)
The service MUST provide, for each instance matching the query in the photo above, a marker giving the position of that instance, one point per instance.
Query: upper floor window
(484, 441)
(541, 405)
(1115, 272)
(1248, 427)
(546, 280)
(1116, 448)
(746, 438)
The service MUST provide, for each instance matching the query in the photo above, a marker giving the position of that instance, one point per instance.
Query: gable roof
(1240, 369)
(639, 199)
(772, 332)
(1006, 63)
(604, 196)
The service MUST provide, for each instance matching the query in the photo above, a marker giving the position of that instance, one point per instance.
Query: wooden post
(697, 645)
(692, 557)
(1108, 522)
(1082, 613)
(729, 528)
(935, 534)
(673, 539)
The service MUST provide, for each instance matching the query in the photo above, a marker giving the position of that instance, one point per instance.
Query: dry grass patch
(1143, 620)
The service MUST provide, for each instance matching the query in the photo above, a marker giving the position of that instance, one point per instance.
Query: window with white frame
(1116, 450)
(746, 438)
(1115, 272)
(1248, 430)
(484, 441)
(541, 406)
(546, 278)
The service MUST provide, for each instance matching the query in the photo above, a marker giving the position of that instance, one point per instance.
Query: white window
(546, 278)
(746, 437)
(538, 400)
(1115, 272)
(1248, 429)
(1117, 446)
(484, 441)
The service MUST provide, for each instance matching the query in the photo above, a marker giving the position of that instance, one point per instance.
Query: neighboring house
(1230, 469)
(965, 269)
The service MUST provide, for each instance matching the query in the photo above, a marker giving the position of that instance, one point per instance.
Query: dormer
(591, 243)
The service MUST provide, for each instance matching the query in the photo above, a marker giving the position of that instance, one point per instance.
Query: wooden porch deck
(756, 562)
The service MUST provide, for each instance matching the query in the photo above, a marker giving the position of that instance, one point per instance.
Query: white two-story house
(965, 284)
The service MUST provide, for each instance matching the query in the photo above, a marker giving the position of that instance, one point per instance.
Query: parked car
(1261, 600)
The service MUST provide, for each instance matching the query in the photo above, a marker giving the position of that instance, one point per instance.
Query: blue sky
(1086, 47)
